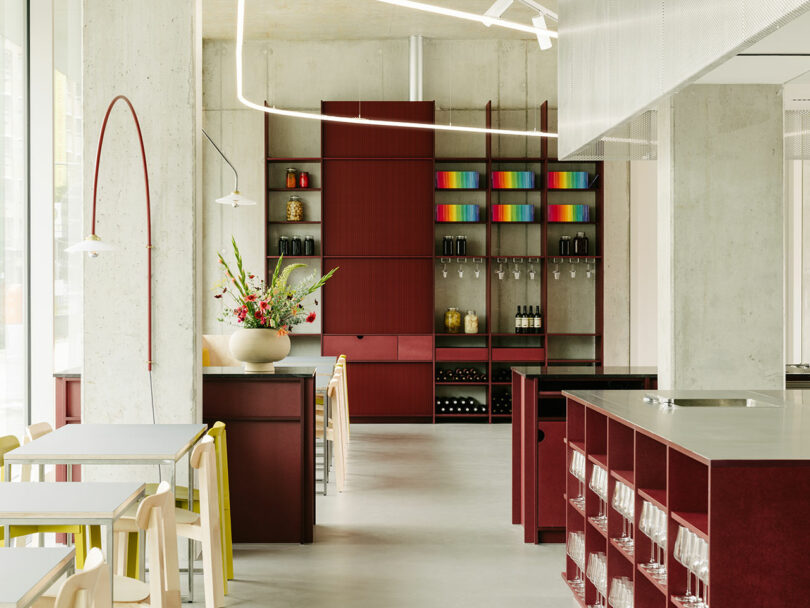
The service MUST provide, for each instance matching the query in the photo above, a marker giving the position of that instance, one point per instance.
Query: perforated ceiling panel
(618, 58)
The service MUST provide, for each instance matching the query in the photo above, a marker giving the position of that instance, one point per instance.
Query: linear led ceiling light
(484, 19)
(359, 120)
(539, 21)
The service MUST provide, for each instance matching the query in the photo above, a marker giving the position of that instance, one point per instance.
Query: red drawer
(462, 354)
(415, 348)
(361, 348)
(518, 354)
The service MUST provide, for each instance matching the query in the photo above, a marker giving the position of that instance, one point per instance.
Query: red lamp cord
(148, 205)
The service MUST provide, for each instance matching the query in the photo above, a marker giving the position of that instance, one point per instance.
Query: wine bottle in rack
(538, 321)
(518, 321)
(530, 319)
(524, 322)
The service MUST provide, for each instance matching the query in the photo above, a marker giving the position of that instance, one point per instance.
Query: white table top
(66, 502)
(25, 573)
(324, 367)
(778, 430)
(110, 444)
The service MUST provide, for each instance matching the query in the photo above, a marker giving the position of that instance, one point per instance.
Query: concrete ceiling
(356, 20)
(781, 57)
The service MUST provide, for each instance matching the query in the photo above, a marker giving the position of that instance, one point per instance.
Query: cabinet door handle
(540, 436)
(360, 337)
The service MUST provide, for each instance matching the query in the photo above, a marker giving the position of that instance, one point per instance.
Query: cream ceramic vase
(258, 348)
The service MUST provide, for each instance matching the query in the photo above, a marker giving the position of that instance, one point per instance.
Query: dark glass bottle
(581, 244)
(518, 322)
(524, 322)
(538, 321)
(530, 320)
(565, 245)
(296, 247)
(447, 245)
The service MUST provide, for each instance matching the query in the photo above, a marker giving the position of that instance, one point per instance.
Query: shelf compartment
(656, 496)
(294, 189)
(518, 354)
(461, 384)
(597, 527)
(448, 354)
(295, 257)
(696, 522)
(576, 507)
(579, 446)
(626, 476)
(622, 551)
(655, 583)
(580, 599)
(478, 160)
(599, 459)
(303, 160)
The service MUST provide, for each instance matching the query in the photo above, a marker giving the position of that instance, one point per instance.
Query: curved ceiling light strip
(240, 39)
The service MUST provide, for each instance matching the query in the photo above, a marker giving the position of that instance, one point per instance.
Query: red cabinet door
(390, 391)
(361, 348)
(551, 473)
(415, 348)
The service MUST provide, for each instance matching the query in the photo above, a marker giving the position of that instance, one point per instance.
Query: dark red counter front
(271, 453)
(538, 429)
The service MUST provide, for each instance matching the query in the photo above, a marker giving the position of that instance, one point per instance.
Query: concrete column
(720, 238)
(149, 50)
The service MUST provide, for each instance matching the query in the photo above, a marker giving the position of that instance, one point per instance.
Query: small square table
(26, 573)
(82, 504)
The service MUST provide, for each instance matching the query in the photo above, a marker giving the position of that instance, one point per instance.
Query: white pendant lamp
(235, 198)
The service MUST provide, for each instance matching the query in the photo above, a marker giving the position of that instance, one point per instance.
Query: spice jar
(471, 322)
(461, 245)
(309, 245)
(295, 209)
(303, 179)
(292, 177)
(452, 321)
(284, 245)
(295, 246)
(581, 244)
(565, 245)
(447, 245)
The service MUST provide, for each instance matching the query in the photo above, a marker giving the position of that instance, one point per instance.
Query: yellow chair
(8, 443)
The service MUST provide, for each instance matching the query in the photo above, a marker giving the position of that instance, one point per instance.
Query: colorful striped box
(457, 180)
(568, 180)
(457, 213)
(569, 213)
(512, 180)
(512, 213)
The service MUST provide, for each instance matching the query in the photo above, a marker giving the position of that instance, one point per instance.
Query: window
(13, 218)
(67, 199)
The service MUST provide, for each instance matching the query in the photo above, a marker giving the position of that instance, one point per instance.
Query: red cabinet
(361, 348)
(415, 348)
(391, 392)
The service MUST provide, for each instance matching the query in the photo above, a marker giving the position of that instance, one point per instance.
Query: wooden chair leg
(80, 541)
(133, 556)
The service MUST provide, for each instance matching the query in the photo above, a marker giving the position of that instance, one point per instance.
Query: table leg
(190, 541)
(68, 479)
(7, 528)
(142, 555)
(110, 558)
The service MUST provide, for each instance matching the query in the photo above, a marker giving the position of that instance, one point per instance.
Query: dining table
(116, 444)
(27, 572)
(82, 504)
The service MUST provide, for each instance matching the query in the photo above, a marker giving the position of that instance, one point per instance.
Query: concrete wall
(462, 76)
(150, 51)
(643, 263)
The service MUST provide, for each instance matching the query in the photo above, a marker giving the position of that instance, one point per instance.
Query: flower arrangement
(260, 306)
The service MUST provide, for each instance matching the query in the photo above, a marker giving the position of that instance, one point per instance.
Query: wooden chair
(155, 516)
(335, 392)
(217, 431)
(8, 443)
(89, 588)
(342, 363)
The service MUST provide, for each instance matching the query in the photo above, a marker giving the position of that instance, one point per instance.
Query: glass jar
(471, 322)
(303, 179)
(292, 177)
(309, 245)
(565, 245)
(296, 247)
(461, 245)
(447, 245)
(284, 245)
(295, 209)
(581, 244)
(452, 321)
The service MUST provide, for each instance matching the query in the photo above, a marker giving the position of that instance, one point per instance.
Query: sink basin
(706, 402)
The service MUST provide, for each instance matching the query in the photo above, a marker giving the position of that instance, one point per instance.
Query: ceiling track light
(483, 19)
(359, 120)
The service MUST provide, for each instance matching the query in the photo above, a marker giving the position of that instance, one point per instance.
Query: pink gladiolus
(250, 298)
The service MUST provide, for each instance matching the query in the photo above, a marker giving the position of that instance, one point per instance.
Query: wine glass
(702, 572)
(660, 539)
(681, 555)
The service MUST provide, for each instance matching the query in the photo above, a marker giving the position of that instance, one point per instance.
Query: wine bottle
(524, 322)
(538, 321)
(518, 321)
(530, 320)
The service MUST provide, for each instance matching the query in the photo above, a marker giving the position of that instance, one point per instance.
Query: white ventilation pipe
(416, 68)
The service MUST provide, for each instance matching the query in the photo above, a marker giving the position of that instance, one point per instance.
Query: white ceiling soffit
(356, 20)
(781, 57)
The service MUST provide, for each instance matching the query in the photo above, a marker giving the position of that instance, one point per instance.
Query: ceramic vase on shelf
(259, 348)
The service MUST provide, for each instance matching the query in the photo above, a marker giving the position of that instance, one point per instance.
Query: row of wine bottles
(502, 374)
(460, 374)
(530, 322)
(502, 403)
(459, 405)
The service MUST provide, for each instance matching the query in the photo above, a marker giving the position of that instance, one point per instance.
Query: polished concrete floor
(424, 522)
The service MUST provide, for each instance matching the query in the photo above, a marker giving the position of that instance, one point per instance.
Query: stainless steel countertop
(717, 434)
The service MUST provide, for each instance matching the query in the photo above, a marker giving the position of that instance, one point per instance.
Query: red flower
(311, 317)
(250, 276)
(258, 314)
(263, 305)
(250, 298)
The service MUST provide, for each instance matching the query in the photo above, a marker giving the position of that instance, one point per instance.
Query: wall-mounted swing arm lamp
(235, 198)
(92, 244)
